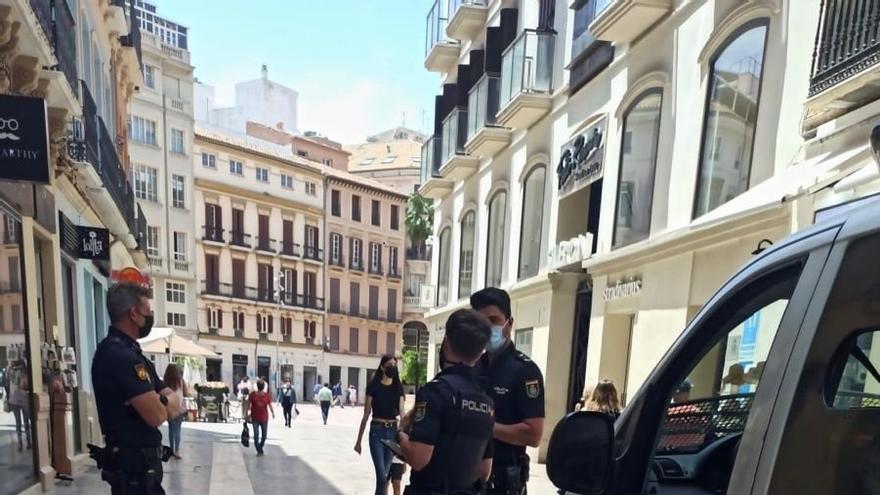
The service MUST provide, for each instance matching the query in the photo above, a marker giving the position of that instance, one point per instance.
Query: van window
(859, 383)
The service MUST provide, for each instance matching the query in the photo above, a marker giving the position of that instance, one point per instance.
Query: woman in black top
(385, 402)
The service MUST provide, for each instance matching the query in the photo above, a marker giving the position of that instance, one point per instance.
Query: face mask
(391, 371)
(496, 341)
(147, 327)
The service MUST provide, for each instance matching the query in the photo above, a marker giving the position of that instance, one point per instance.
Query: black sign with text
(94, 243)
(24, 139)
(581, 161)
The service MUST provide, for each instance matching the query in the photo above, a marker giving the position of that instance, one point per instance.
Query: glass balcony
(483, 103)
(527, 65)
(431, 158)
(466, 18)
(454, 134)
(454, 5)
(435, 28)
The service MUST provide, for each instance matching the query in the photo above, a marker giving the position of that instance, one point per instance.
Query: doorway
(335, 375)
(213, 370)
(264, 364)
(580, 340)
(70, 314)
(310, 378)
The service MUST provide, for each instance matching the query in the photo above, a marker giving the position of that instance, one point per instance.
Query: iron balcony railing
(421, 253)
(435, 26)
(59, 27)
(356, 311)
(266, 244)
(527, 65)
(290, 249)
(313, 253)
(375, 269)
(141, 229)
(394, 272)
(337, 260)
(483, 102)
(212, 233)
(431, 152)
(237, 238)
(356, 265)
(847, 42)
(454, 134)
(214, 288)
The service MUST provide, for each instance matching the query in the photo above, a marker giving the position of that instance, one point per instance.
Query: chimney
(265, 72)
(279, 126)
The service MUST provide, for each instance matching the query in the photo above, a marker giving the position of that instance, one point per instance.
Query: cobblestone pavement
(309, 458)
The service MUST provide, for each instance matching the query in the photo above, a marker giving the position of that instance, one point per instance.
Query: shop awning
(164, 340)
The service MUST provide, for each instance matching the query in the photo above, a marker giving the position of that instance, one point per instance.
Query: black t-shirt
(386, 400)
(120, 372)
(516, 385)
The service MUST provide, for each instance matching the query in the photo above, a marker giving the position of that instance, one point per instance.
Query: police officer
(516, 386)
(447, 438)
(132, 401)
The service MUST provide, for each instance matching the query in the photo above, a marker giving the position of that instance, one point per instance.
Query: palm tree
(419, 220)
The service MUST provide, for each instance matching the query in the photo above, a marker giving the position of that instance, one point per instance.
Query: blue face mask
(496, 341)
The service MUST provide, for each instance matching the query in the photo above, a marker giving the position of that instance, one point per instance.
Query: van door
(825, 432)
(700, 418)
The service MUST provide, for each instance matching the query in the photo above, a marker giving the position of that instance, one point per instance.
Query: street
(315, 459)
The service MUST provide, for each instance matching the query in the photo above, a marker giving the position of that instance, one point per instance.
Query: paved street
(315, 459)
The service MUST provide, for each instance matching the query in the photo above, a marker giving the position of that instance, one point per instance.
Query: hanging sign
(94, 243)
(24, 139)
(581, 160)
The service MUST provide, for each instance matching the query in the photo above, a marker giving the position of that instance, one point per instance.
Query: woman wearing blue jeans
(385, 403)
(174, 381)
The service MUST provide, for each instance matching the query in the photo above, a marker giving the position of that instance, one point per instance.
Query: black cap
(491, 296)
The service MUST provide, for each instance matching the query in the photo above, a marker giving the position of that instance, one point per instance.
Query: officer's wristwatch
(163, 399)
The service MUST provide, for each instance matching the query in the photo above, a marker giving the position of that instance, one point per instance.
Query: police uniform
(454, 415)
(516, 385)
(120, 372)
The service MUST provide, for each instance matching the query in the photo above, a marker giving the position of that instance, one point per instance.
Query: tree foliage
(414, 372)
(419, 218)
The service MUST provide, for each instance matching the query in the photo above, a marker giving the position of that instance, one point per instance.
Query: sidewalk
(313, 458)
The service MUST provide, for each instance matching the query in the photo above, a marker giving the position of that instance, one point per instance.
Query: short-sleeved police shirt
(120, 372)
(516, 385)
(434, 410)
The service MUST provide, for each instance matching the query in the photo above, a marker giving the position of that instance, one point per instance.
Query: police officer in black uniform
(131, 399)
(516, 386)
(447, 438)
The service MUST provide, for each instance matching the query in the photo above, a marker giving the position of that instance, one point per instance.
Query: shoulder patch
(522, 357)
(421, 409)
(533, 389)
(141, 371)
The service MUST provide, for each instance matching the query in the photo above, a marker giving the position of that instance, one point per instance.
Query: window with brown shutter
(334, 337)
(373, 342)
(353, 337)
(237, 278)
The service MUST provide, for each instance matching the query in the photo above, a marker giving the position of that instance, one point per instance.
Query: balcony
(154, 261)
(240, 240)
(264, 295)
(266, 245)
(846, 62)
(441, 52)
(420, 253)
(527, 79)
(337, 261)
(356, 265)
(375, 270)
(357, 312)
(484, 137)
(291, 249)
(394, 273)
(181, 265)
(211, 233)
(467, 18)
(213, 331)
(622, 21)
(59, 30)
(313, 253)
(286, 338)
(133, 38)
(433, 185)
(412, 302)
(456, 164)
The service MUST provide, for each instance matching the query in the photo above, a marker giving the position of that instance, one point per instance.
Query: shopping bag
(246, 436)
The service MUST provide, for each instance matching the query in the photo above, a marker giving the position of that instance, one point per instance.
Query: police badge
(141, 372)
(533, 389)
(420, 411)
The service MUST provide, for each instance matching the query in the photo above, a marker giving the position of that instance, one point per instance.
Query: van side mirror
(580, 458)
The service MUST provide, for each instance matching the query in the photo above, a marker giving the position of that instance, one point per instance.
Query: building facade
(65, 235)
(161, 127)
(309, 146)
(259, 259)
(611, 166)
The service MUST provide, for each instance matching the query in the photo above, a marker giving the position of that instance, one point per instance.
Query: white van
(773, 388)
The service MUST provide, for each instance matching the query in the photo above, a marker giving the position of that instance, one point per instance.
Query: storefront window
(466, 260)
(638, 162)
(497, 233)
(731, 115)
(443, 268)
(17, 468)
(531, 234)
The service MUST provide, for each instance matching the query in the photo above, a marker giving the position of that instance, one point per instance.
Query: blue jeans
(260, 428)
(174, 427)
(381, 454)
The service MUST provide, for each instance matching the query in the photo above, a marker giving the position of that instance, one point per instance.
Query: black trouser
(325, 409)
(509, 479)
(287, 407)
(136, 472)
(410, 490)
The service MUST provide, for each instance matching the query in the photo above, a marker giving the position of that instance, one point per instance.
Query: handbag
(246, 436)
(7, 407)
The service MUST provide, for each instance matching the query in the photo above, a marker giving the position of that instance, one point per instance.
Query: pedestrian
(174, 381)
(131, 399)
(447, 437)
(261, 405)
(244, 389)
(603, 398)
(19, 405)
(396, 474)
(516, 385)
(325, 398)
(337, 395)
(352, 395)
(315, 390)
(287, 397)
(385, 402)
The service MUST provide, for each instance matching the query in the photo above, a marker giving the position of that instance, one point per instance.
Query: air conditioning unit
(427, 296)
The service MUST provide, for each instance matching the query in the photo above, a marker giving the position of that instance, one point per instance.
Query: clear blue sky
(357, 64)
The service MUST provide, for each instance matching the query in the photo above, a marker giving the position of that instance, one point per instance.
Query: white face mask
(496, 340)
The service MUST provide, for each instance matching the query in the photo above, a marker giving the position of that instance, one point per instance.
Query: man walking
(516, 385)
(287, 397)
(325, 398)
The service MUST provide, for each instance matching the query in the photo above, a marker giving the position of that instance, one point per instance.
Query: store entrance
(580, 339)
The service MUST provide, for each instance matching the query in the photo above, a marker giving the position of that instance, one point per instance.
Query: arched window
(731, 116)
(638, 164)
(466, 258)
(443, 268)
(531, 233)
(497, 232)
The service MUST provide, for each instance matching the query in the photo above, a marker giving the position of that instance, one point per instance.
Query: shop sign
(94, 243)
(24, 139)
(571, 251)
(622, 289)
(427, 296)
(582, 159)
